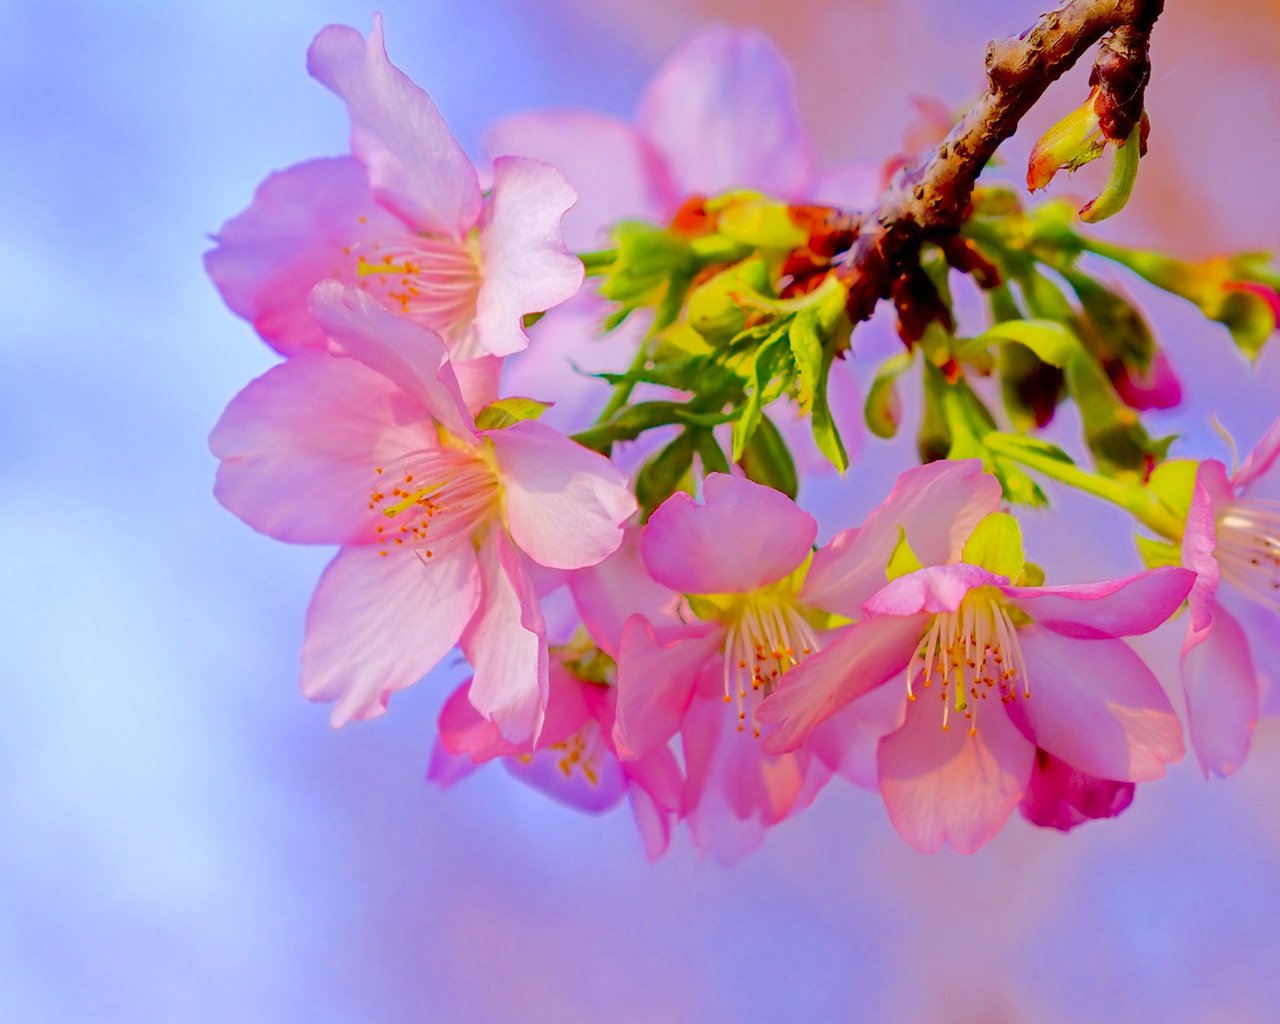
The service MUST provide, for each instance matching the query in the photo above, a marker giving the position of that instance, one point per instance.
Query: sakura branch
(566, 424)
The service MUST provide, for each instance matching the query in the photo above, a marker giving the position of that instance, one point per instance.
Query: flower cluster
(631, 579)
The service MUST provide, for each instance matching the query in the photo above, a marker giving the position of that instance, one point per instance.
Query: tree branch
(930, 199)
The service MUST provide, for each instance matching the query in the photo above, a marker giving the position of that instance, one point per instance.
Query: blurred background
(185, 839)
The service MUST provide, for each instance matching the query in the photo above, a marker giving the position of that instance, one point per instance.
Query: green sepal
(1031, 576)
(664, 473)
(758, 391)
(709, 452)
(506, 411)
(1174, 482)
(883, 408)
(903, 560)
(759, 222)
(716, 308)
(767, 460)
(996, 545)
(1119, 184)
(1157, 553)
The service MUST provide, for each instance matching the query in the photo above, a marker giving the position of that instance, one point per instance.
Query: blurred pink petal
(1060, 797)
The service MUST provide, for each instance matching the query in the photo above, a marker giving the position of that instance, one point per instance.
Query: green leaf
(662, 475)
(883, 409)
(996, 545)
(506, 411)
(767, 460)
(634, 420)
(903, 560)
(761, 374)
(1053, 342)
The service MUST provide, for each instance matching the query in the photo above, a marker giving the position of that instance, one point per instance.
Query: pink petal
(938, 505)
(506, 644)
(936, 588)
(654, 787)
(1223, 693)
(723, 112)
(1262, 458)
(1199, 541)
(478, 381)
(1124, 607)
(377, 625)
(743, 536)
(466, 732)
(657, 670)
(949, 787)
(445, 769)
(299, 446)
(402, 351)
(606, 595)
(298, 230)
(859, 659)
(615, 171)
(415, 166)
(566, 505)
(847, 741)
(1097, 706)
(1060, 797)
(526, 268)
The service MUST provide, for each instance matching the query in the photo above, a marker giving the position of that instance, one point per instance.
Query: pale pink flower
(442, 526)
(1016, 668)
(573, 760)
(757, 601)
(720, 114)
(403, 218)
(1232, 537)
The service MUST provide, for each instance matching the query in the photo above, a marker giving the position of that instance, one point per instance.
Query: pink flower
(403, 218)
(1049, 657)
(720, 114)
(372, 448)
(1232, 536)
(574, 759)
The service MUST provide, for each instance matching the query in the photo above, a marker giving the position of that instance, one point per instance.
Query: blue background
(185, 839)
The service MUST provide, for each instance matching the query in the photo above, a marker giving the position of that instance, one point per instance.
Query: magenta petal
(1097, 706)
(938, 506)
(1223, 694)
(297, 231)
(378, 624)
(566, 504)
(743, 536)
(859, 659)
(506, 643)
(415, 166)
(299, 446)
(723, 112)
(1261, 459)
(526, 268)
(657, 670)
(1158, 389)
(1124, 607)
(933, 589)
(1060, 797)
(614, 170)
(402, 351)
(948, 787)
(606, 595)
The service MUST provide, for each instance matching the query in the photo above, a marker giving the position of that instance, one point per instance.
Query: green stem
(1138, 501)
(622, 390)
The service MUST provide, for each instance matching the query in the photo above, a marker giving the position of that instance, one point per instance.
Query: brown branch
(929, 200)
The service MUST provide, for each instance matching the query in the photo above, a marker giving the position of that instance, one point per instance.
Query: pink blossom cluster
(708, 663)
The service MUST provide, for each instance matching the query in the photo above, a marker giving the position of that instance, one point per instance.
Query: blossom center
(766, 635)
(1248, 549)
(971, 653)
(433, 497)
(432, 279)
(582, 752)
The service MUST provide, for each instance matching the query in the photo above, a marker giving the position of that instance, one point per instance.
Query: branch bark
(930, 199)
